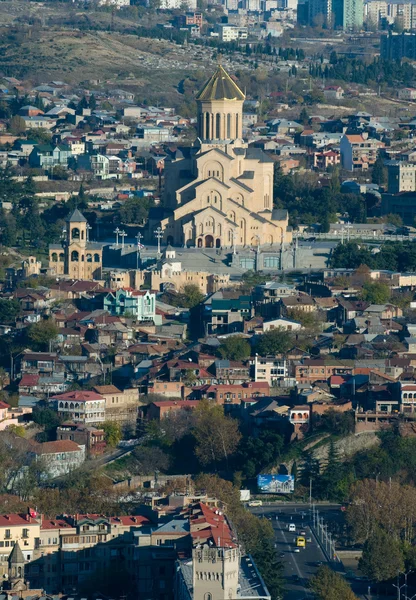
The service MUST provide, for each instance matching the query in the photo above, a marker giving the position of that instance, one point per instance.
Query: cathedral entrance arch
(209, 241)
(218, 243)
(199, 243)
(169, 240)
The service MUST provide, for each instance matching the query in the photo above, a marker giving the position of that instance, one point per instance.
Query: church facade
(219, 193)
(76, 256)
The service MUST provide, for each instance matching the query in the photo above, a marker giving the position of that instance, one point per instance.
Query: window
(75, 233)
(7, 534)
(96, 258)
(74, 256)
(25, 533)
(54, 257)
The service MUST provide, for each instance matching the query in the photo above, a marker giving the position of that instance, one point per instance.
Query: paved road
(298, 567)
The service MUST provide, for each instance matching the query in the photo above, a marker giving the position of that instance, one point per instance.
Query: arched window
(71, 406)
(208, 597)
(74, 256)
(54, 257)
(229, 126)
(82, 258)
(61, 405)
(89, 257)
(61, 257)
(218, 126)
(75, 233)
(96, 258)
(236, 126)
(207, 133)
(82, 235)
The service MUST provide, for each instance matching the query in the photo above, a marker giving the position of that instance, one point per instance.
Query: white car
(297, 550)
(255, 503)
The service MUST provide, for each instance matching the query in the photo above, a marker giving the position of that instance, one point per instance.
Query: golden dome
(220, 86)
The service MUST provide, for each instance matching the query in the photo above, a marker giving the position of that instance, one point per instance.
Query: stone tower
(16, 560)
(215, 573)
(76, 256)
(220, 109)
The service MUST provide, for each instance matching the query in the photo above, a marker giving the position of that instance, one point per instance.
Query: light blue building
(140, 305)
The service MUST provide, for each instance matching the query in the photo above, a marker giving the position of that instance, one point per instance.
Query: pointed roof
(77, 217)
(16, 555)
(220, 86)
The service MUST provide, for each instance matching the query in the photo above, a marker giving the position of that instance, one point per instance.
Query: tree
(303, 116)
(375, 292)
(277, 341)
(149, 459)
(310, 470)
(379, 174)
(332, 475)
(351, 256)
(46, 417)
(382, 556)
(190, 296)
(3, 378)
(216, 435)
(43, 333)
(112, 432)
(329, 585)
(17, 125)
(307, 320)
(235, 348)
(9, 310)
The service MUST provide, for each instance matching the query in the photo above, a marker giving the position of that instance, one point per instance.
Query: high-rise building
(319, 12)
(348, 14)
(395, 46)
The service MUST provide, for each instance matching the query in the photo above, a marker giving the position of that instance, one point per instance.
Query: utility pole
(138, 238)
(310, 491)
(116, 231)
(159, 236)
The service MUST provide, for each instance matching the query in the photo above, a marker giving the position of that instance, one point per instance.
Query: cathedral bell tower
(220, 109)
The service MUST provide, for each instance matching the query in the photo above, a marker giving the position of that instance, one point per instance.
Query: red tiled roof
(29, 380)
(15, 519)
(55, 447)
(79, 396)
(54, 524)
(4, 404)
(178, 403)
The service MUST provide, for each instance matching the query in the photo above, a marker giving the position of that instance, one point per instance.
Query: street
(298, 567)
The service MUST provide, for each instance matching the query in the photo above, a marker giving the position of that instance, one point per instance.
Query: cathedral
(219, 192)
(76, 256)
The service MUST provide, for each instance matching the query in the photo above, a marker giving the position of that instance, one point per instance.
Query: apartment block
(401, 177)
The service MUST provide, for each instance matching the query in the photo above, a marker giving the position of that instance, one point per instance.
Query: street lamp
(139, 246)
(159, 236)
(122, 235)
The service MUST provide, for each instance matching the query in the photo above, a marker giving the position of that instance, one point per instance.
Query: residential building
(90, 437)
(59, 458)
(22, 529)
(159, 410)
(401, 177)
(348, 14)
(139, 305)
(334, 92)
(395, 46)
(46, 156)
(319, 11)
(326, 159)
(227, 316)
(80, 407)
(231, 33)
(309, 370)
(407, 94)
(120, 406)
(407, 397)
(281, 323)
(402, 204)
(358, 152)
(270, 369)
(220, 194)
(77, 256)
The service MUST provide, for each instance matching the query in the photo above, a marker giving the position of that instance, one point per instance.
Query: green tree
(304, 116)
(379, 174)
(46, 417)
(112, 431)
(350, 256)
(277, 341)
(216, 435)
(332, 475)
(310, 470)
(382, 556)
(190, 296)
(329, 585)
(375, 292)
(9, 310)
(17, 125)
(43, 333)
(235, 348)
